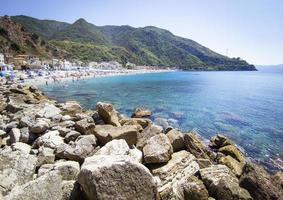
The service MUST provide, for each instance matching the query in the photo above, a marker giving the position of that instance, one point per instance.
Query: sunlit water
(246, 106)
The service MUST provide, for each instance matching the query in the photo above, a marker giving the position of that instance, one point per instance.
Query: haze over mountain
(145, 46)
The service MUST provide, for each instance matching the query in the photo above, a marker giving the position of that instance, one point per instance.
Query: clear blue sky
(250, 29)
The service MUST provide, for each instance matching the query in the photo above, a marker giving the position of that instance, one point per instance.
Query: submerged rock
(119, 177)
(141, 112)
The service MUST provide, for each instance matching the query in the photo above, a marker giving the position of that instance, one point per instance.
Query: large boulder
(39, 127)
(16, 168)
(119, 177)
(196, 146)
(48, 111)
(157, 149)
(219, 141)
(19, 146)
(233, 151)
(233, 164)
(143, 122)
(15, 135)
(259, 183)
(85, 126)
(71, 108)
(106, 133)
(174, 175)
(141, 112)
(176, 139)
(194, 189)
(51, 139)
(69, 170)
(147, 133)
(115, 147)
(222, 183)
(108, 113)
(83, 147)
(45, 156)
(46, 187)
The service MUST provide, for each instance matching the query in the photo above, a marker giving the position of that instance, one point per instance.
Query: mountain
(146, 46)
(15, 39)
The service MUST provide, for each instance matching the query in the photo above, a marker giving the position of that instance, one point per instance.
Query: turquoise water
(246, 106)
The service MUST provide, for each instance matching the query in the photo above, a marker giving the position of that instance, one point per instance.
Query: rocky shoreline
(61, 151)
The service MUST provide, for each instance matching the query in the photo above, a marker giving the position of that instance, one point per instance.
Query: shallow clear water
(246, 106)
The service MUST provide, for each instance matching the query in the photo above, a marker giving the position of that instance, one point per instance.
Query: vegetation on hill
(145, 46)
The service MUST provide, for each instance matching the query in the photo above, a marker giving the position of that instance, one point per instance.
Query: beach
(45, 77)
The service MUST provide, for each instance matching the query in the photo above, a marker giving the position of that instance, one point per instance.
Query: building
(2, 59)
(20, 60)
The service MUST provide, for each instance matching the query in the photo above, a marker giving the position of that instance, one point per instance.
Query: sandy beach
(43, 77)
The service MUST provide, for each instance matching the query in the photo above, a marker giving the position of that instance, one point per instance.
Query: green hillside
(145, 46)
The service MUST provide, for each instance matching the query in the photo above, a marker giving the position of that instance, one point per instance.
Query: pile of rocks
(60, 151)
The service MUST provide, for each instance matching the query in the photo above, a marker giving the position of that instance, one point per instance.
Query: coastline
(64, 142)
(62, 76)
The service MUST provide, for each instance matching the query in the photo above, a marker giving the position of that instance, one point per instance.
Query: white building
(2, 59)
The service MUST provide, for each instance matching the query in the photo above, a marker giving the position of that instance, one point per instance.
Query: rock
(157, 149)
(2, 105)
(15, 135)
(136, 154)
(51, 139)
(219, 141)
(46, 187)
(233, 151)
(45, 156)
(147, 133)
(174, 175)
(63, 131)
(233, 164)
(69, 170)
(71, 191)
(11, 125)
(27, 121)
(85, 126)
(143, 122)
(26, 136)
(106, 133)
(141, 112)
(71, 136)
(48, 111)
(83, 147)
(44, 169)
(203, 163)
(162, 122)
(71, 108)
(57, 118)
(114, 147)
(259, 183)
(67, 124)
(222, 184)
(278, 179)
(39, 127)
(176, 139)
(194, 189)
(16, 168)
(19, 146)
(66, 118)
(108, 113)
(196, 147)
(108, 177)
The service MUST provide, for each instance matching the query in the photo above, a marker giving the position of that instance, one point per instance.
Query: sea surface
(246, 106)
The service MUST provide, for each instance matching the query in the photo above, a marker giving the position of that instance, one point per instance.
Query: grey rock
(114, 147)
(141, 112)
(71, 136)
(16, 168)
(45, 156)
(85, 126)
(147, 133)
(19, 146)
(71, 108)
(46, 187)
(83, 147)
(108, 177)
(106, 133)
(51, 139)
(15, 135)
(176, 139)
(39, 127)
(48, 111)
(69, 170)
(157, 149)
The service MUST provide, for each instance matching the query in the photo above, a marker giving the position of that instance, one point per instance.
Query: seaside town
(31, 69)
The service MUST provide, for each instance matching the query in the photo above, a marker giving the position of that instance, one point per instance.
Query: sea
(245, 106)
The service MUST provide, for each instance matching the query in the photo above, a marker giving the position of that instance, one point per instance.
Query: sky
(250, 29)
